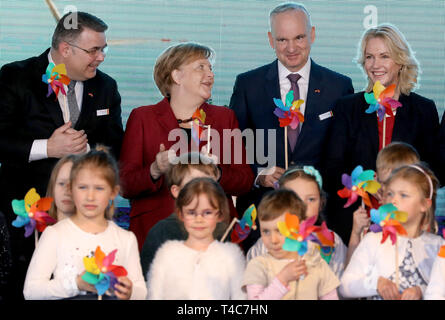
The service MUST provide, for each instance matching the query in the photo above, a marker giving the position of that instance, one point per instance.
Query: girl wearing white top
(56, 268)
(436, 286)
(199, 268)
(371, 271)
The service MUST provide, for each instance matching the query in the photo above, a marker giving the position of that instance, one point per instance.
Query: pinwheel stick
(36, 237)
(235, 220)
(397, 265)
(285, 147)
(99, 297)
(208, 139)
(384, 131)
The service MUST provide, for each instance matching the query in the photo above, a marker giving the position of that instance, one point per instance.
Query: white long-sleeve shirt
(60, 253)
(436, 286)
(372, 260)
(181, 273)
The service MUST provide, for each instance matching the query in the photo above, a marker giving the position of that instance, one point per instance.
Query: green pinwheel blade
(370, 98)
(18, 206)
(387, 208)
(289, 98)
(366, 175)
(91, 278)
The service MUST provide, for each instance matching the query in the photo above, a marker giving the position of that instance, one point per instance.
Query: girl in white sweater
(199, 268)
(56, 268)
(371, 271)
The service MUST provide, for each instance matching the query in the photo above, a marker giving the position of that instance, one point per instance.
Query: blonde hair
(214, 192)
(395, 155)
(277, 202)
(421, 176)
(172, 58)
(52, 182)
(192, 160)
(399, 50)
(100, 160)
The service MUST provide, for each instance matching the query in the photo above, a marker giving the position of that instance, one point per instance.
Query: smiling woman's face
(196, 78)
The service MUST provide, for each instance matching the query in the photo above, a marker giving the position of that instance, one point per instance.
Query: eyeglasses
(94, 51)
(207, 214)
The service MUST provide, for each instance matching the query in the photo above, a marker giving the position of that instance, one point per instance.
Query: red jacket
(148, 127)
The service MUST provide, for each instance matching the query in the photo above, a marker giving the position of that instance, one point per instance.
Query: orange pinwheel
(381, 100)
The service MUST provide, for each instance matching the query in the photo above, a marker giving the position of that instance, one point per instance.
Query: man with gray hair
(39, 126)
(291, 36)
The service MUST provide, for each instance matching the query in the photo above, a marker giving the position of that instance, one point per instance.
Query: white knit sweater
(181, 273)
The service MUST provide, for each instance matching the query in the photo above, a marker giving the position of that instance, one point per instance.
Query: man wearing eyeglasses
(37, 128)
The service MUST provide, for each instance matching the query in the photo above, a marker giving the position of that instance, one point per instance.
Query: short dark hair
(83, 20)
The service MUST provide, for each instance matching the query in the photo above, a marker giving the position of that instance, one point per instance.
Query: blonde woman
(357, 136)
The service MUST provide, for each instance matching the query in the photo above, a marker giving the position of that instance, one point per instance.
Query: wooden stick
(99, 297)
(397, 265)
(208, 139)
(296, 284)
(384, 131)
(228, 229)
(36, 237)
(285, 147)
(53, 9)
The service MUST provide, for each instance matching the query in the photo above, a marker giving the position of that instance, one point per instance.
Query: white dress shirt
(39, 146)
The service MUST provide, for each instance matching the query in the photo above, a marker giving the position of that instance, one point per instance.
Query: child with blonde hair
(56, 268)
(393, 156)
(199, 268)
(58, 189)
(280, 274)
(372, 270)
(307, 183)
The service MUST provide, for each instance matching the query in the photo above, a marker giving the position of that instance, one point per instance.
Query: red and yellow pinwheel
(297, 234)
(56, 77)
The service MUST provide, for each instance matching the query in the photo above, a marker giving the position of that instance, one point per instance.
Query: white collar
(304, 72)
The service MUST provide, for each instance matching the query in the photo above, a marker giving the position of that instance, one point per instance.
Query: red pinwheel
(297, 234)
(381, 100)
(198, 121)
(357, 185)
(56, 77)
(326, 240)
(32, 213)
(243, 227)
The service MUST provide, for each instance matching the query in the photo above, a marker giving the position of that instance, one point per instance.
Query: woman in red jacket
(184, 76)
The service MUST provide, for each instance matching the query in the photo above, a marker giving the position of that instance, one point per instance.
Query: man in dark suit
(291, 36)
(36, 130)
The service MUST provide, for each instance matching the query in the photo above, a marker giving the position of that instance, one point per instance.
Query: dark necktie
(292, 135)
(72, 103)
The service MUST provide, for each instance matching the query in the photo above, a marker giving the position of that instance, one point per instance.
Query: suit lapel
(89, 103)
(370, 124)
(402, 125)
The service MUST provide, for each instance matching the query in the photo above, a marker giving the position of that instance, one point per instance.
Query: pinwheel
(198, 122)
(288, 114)
(101, 272)
(31, 213)
(358, 184)
(55, 77)
(388, 220)
(381, 101)
(325, 239)
(442, 248)
(243, 227)
(297, 234)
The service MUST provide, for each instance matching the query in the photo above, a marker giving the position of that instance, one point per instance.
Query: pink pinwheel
(31, 212)
(289, 114)
(381, 100)
(357, 185)
(387, 220)
(101, 272)
(297, 234)
(56, 77)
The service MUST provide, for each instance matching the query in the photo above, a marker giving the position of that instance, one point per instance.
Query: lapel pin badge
(90, 94)
(317, 90)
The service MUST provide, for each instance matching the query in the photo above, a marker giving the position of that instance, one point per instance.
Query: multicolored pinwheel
(56, 77)
(198, 121)
(31, 212)
(100, 270)
(381, 100)
(289, 114)
(388, 219)
(297, 234)
(358, 184)
(325, 239)
(243, 227)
